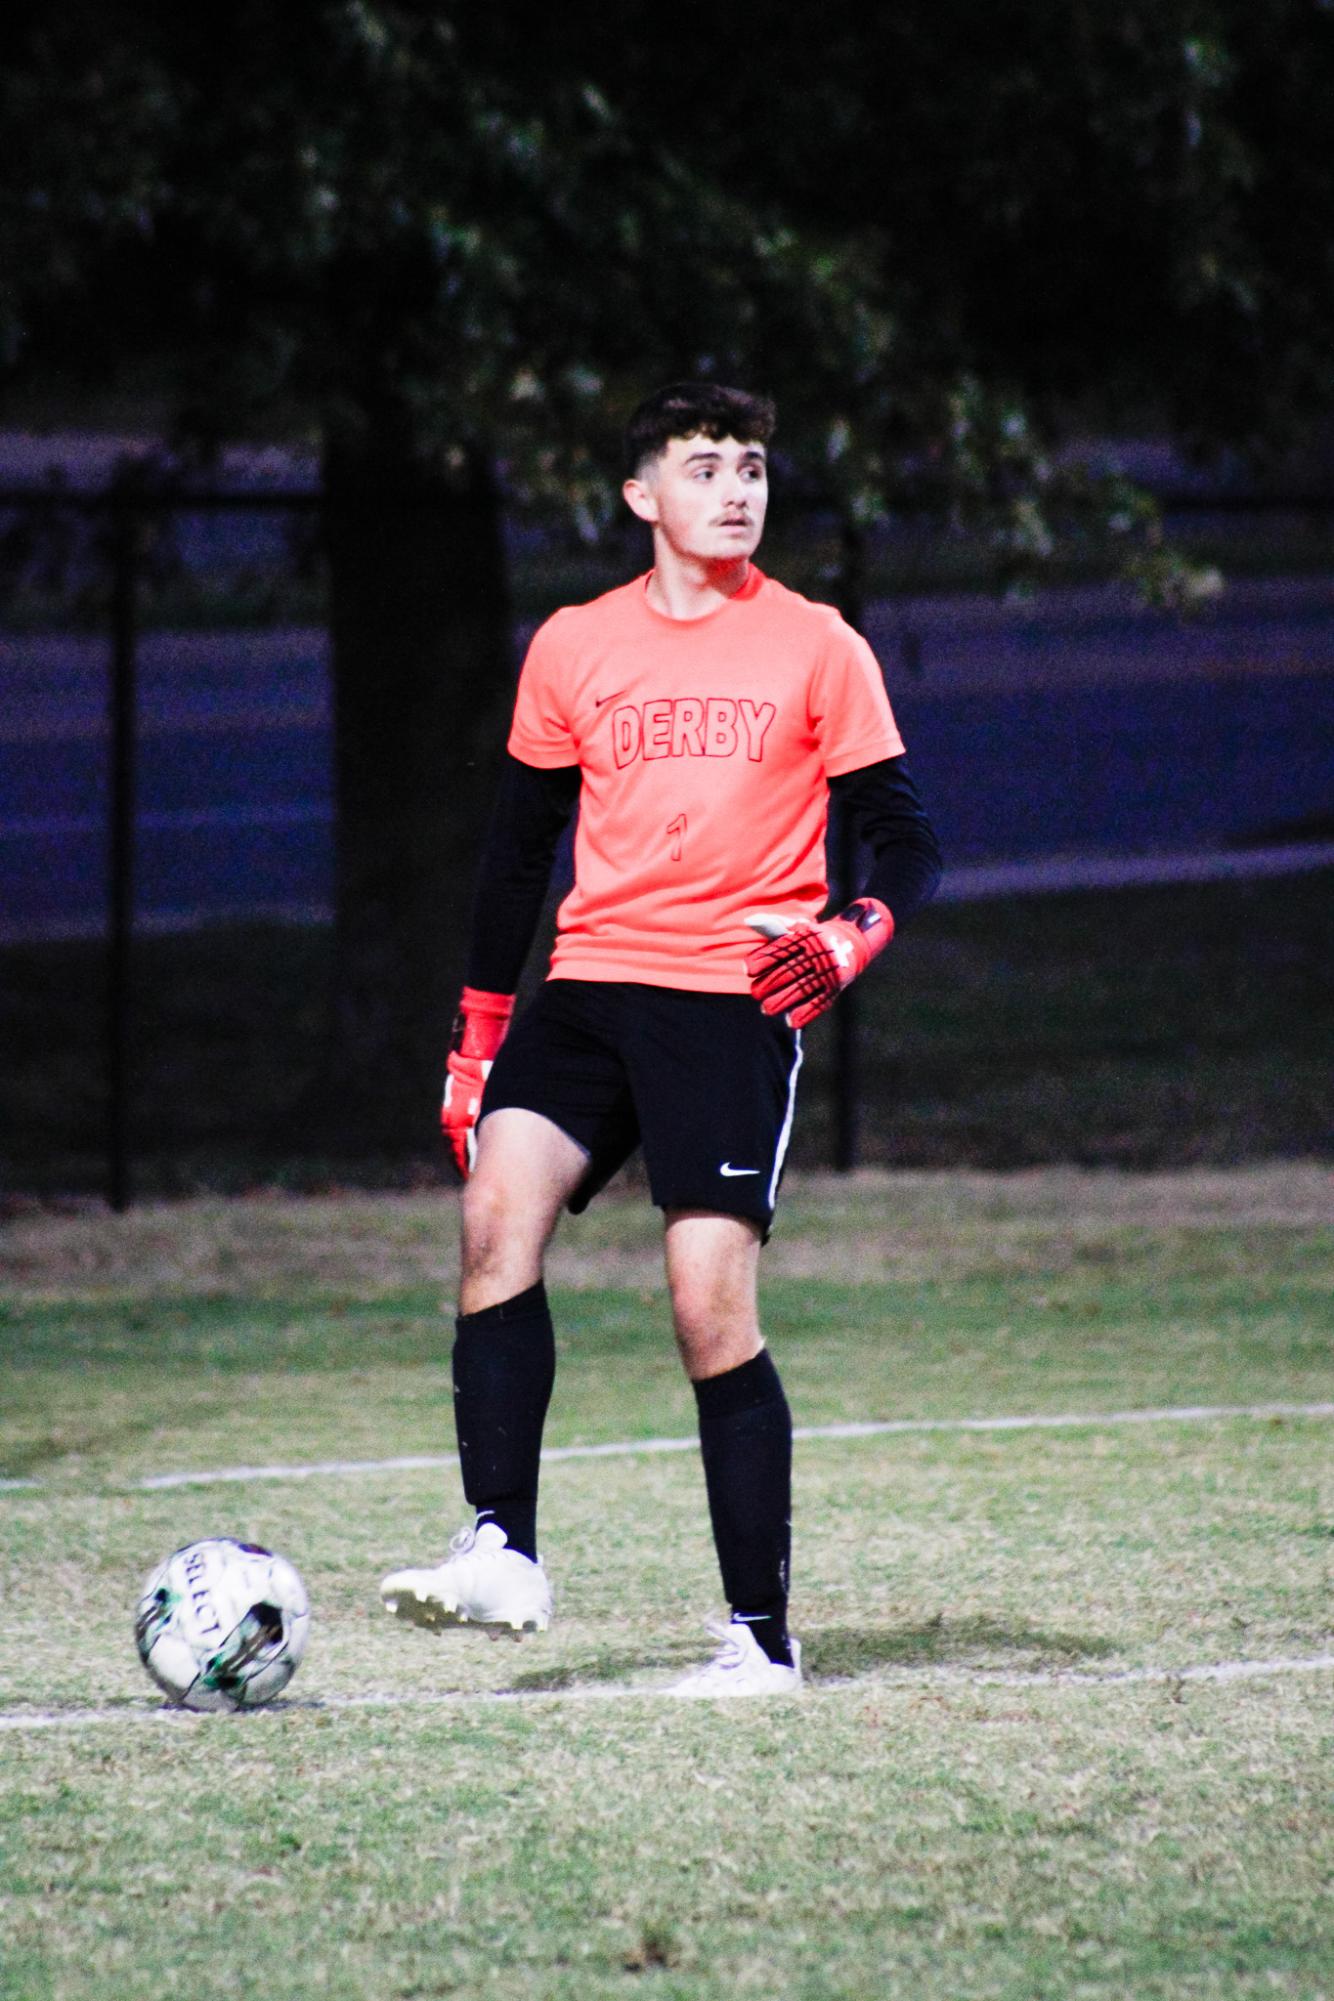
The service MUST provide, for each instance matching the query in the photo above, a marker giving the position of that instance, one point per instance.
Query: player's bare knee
(715, 1350)
(488, 1232)
(712, 1282)
(696, 1309)
(502, 1244)
(715, 1330)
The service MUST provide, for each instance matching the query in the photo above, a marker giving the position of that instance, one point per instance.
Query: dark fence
(1023, 753)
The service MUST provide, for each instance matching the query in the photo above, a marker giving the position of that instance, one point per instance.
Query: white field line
(149, 1711)
(631, 1448)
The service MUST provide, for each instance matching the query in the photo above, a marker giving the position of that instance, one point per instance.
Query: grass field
(1068, 1729)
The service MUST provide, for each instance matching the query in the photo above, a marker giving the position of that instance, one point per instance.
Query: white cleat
(740, 1667)
(482, 1582)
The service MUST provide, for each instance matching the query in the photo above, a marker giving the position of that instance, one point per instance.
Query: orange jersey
(704, 746)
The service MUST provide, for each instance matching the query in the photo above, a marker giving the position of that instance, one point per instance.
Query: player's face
(706, 497)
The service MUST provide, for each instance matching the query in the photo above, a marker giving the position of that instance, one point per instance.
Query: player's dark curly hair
(695, 409)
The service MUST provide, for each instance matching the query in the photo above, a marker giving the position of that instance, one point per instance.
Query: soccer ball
(222, 1625)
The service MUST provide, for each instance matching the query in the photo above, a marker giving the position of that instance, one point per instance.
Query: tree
(455, 254)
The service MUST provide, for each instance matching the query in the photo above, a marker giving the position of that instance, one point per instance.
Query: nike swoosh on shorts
(731, 1172)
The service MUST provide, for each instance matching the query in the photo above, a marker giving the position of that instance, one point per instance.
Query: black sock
(745, 1436)
(504, 1366)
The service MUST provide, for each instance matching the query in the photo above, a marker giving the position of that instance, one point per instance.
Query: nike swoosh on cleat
(732, 1172)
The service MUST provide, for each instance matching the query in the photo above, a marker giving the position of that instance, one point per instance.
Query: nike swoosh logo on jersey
(598, 700)
(731, 1172)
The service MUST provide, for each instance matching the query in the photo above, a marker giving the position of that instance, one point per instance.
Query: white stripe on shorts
(786, 1133)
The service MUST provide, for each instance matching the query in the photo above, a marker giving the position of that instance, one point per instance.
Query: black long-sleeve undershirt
(533, 807)
(889, 818)
(531, 811)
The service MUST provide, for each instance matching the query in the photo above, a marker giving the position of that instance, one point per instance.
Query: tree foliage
(945, 238)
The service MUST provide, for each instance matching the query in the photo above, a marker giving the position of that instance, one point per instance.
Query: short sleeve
(540, 732)
(850, 712)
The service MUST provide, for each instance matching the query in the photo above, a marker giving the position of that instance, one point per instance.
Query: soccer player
(700, 718)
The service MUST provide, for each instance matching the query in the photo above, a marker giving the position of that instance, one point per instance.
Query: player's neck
(686, 587)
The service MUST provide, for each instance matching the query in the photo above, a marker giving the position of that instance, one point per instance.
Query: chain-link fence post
(120, 853)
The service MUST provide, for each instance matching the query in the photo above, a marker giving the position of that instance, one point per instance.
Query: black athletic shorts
(705, 1083)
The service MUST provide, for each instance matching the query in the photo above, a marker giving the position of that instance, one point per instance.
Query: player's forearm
(531, 812)
(889, 817)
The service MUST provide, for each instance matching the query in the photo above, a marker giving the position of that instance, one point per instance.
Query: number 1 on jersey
(676, 831)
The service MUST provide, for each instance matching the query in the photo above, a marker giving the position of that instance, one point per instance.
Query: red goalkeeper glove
(479, 1030)
(805, 966)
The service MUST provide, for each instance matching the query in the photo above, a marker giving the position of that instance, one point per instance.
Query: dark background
(316, 334)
